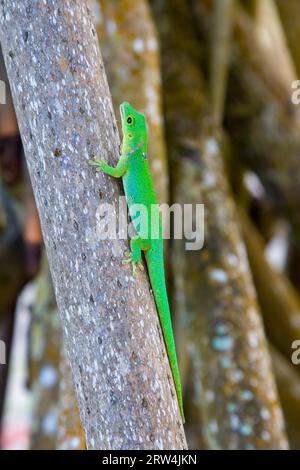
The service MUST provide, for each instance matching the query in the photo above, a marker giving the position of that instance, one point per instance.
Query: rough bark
(111, 329)
(235, 389)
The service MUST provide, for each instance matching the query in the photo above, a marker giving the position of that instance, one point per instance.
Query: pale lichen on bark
(111, 329)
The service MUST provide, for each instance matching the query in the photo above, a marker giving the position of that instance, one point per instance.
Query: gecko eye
(130, 120)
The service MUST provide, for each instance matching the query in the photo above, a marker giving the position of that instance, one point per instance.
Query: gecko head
(134, 125)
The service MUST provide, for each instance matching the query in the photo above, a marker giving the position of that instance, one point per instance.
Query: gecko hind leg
(135, 257)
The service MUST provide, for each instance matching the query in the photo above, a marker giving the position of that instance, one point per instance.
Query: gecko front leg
(116, 172)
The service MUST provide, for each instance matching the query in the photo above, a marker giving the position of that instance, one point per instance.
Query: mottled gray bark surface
(123, 381)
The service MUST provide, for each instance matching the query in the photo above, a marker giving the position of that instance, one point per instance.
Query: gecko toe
(141, 266)
(134, 270)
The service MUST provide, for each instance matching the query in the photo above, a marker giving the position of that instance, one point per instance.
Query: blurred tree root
(56, 422)
(70, 434)
(293, 260)
(220, 53)
(193, 427)
(261, 119)
(225, 341)
(288, 383)
(12, 274)
(94, 319)
(263, 122)
(289, 13)
(12, 279)
(279, 301)
(270, 33)
(45, 340)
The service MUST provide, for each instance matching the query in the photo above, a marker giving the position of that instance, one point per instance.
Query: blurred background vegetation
(214, 78)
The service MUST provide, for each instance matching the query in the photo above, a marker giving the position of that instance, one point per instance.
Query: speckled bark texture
(234, 388)
(111, 328)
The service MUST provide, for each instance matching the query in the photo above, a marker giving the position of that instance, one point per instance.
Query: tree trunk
(111, 329)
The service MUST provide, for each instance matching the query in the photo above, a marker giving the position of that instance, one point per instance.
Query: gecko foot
(128, 260)
(98, 164)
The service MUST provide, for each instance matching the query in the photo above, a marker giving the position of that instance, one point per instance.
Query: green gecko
(134, 169)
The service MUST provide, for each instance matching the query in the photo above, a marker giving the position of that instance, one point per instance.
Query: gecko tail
(157, 278)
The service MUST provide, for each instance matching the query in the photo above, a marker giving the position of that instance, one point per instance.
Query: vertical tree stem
(110, 324)
(220, 56)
